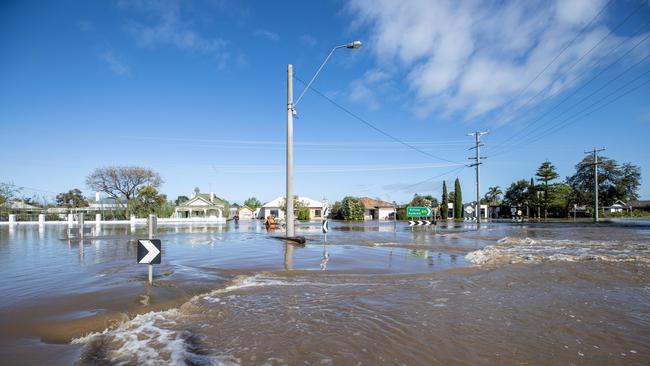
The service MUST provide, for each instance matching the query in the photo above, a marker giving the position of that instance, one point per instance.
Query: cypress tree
(458, 197)
(444, 209)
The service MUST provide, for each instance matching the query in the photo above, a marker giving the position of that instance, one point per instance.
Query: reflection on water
(372, 292)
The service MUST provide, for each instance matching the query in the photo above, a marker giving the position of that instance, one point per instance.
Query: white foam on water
(154, 338)
(522, 250)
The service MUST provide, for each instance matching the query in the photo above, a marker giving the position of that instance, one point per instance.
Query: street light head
(355, 44)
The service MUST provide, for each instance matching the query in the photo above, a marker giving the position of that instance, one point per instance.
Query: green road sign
(418, 211)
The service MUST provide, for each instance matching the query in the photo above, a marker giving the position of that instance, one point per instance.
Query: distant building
(617, 207)
(201, 205)
(273, 208)
(377, 210)
(234, 210)
(245, 213)
(643, 205)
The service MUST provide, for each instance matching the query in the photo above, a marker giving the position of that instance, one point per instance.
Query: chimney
(212, 197)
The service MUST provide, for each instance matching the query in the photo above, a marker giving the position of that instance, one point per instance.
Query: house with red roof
(377, 210)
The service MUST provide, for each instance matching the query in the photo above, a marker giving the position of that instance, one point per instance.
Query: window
(274, 213)
(316, 213)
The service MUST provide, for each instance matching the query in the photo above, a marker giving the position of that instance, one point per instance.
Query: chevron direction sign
(149, 251)
(419, 223)
(325, 226)
(418, 211)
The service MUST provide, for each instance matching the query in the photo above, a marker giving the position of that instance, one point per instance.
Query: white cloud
(272, 36)
(115, 64)
(308, 40)
(166, 26)
(470, 58)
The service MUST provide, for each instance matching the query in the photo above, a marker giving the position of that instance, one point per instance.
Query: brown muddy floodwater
(368, 294)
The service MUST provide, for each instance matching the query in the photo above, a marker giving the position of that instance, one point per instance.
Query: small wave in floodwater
(522, 250)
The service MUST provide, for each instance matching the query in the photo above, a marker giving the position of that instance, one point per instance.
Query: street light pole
(290, 110)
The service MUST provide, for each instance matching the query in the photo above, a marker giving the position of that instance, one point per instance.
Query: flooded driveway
(367, 294)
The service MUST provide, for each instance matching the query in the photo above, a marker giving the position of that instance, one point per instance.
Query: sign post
(325, 228)
(418, 212)
(149, 250)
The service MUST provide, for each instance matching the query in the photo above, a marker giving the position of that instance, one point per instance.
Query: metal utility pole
(152, 227)
(595, 164)
(477, 164)
(290, 112)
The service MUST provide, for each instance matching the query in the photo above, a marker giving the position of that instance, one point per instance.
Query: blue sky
(197, 91)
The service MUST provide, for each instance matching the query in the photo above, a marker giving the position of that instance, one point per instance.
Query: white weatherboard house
(273, 208)
(202, 206)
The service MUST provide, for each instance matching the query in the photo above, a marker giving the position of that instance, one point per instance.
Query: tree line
(544, 196)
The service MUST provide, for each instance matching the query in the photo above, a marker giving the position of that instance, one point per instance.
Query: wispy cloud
(115, 64)
(470, 58)
(365, 90)
(267, 34)
(308, 40)
(166, 26)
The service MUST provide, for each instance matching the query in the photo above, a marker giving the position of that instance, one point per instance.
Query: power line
(556, 57)
(358, 118)
(609, 32)
(530, 133)
(575, 117)
(584, 84)
(430, 179)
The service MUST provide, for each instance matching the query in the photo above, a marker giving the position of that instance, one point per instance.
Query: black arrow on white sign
(149, 251)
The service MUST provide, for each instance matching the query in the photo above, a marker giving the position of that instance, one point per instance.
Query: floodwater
(367, 294)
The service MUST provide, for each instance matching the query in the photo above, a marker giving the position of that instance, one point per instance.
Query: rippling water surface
(367, 294)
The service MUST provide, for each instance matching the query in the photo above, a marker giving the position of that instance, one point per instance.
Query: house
(201, 205)
(273, 208)
(245, 213)
(643, 205)
(616, 207)
(234, 210)
(377, 210)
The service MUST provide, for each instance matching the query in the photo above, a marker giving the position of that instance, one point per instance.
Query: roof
(206, 196)
(201, 201)
(306, 200)
(21, 205)
(369, 202)
(640, 203)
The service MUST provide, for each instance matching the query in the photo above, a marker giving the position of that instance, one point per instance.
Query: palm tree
(493, 194)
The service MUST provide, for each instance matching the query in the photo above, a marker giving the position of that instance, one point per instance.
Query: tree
(628, 183)
(614, 182)
(303, 214)
(444, 209)
(546, 173)
(493, 195)
(71, 199)
(253, 203)
(458, 200)
(180, 199)
(297, 205)
(518, 193)
(561, 198)
(423, 201)
(122, 181)
(351, 209)
(147, 201)
(8, 192)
